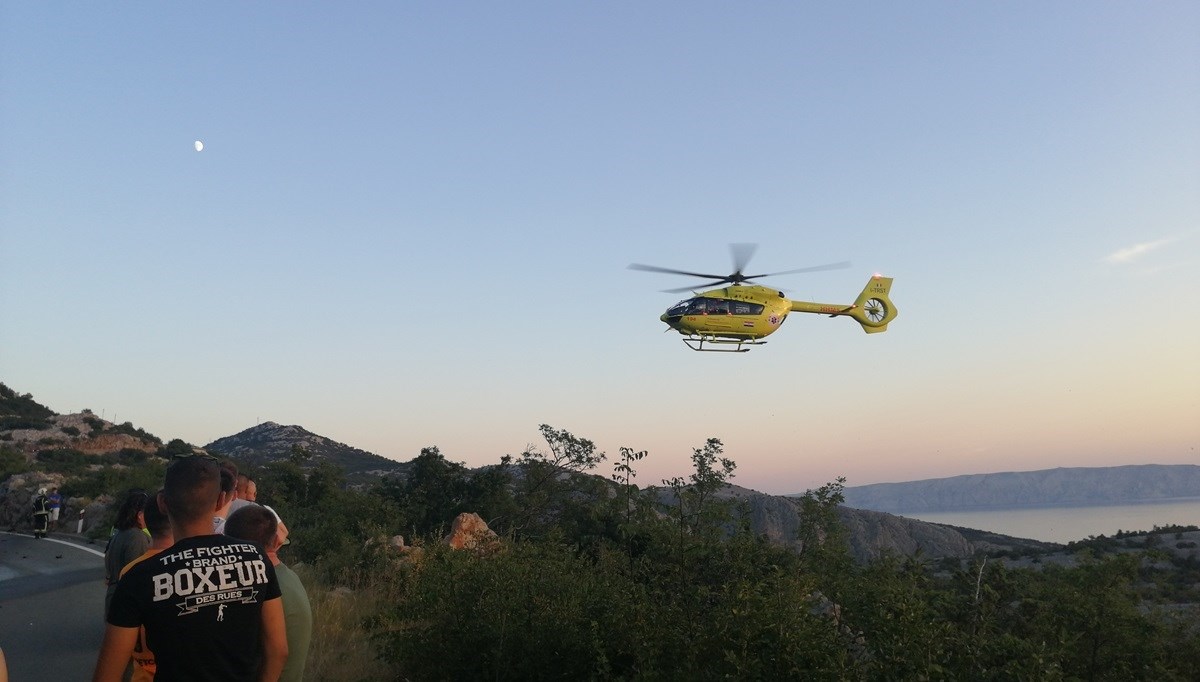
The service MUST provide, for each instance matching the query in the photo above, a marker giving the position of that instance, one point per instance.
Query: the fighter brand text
(198, 552)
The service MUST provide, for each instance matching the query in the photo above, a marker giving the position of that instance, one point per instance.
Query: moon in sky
(199, 146)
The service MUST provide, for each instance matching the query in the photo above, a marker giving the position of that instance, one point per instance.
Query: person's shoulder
(138, 568)
(138, 561)
(132, 537)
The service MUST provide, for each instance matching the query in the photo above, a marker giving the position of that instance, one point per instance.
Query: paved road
(51, 607)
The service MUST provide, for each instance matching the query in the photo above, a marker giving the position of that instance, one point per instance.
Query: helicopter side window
(743, 308)
(708, 306)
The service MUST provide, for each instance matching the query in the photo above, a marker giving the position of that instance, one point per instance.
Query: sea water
(1067, 524)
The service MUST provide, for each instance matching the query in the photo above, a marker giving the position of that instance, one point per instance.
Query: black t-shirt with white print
(201, 602)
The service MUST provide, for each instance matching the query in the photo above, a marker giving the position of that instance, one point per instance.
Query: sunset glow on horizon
(410, 226)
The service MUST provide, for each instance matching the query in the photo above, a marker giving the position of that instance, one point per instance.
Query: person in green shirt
(259, 524)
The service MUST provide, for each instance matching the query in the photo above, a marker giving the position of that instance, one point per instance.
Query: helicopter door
(718, 316)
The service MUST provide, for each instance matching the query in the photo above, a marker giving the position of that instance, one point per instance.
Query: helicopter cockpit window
(678, 309)
(702, 306)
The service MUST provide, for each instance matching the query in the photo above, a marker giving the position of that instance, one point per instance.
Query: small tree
(821, 534)
(623, 475)
(434, 491)
(547, 480)
(693, 509)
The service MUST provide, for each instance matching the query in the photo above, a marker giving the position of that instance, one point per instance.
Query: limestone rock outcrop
(469, 531)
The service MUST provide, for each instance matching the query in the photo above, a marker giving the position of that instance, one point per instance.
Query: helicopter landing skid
(697, 343)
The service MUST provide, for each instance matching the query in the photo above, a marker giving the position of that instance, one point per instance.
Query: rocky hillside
(29, 427)
(269, 442)
(1050, 487)
(872, 534)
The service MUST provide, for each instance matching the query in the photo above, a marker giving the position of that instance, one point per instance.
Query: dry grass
(341, 648)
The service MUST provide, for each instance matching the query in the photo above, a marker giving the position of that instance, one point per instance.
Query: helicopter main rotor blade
(742, 253)
(816, 268)
(694, 287)
(670, 271)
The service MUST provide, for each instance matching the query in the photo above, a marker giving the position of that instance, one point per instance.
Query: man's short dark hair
(252, 522)
(229, 474)
(191, 488)
(158, 523)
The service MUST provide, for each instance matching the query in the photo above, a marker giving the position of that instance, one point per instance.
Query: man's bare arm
(274, 640)
(115, 653)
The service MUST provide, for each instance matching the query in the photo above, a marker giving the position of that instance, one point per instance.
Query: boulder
(469, 531)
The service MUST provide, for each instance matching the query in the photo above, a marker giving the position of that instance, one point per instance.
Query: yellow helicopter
(742, 315)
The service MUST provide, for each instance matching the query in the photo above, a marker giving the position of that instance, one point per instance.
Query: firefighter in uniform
(41, 514)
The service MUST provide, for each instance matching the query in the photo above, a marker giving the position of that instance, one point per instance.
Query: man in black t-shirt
(210, 604)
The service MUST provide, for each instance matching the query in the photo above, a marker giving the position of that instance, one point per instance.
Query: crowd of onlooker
(195, 586)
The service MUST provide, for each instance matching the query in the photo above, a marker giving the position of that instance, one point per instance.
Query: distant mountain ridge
(1071, 486)
(270, 442)
(870, 534)
(29, 425)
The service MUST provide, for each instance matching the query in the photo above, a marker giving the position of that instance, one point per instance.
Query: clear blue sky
(410, 224)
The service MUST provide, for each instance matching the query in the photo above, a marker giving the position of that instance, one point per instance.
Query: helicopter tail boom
(872, 309)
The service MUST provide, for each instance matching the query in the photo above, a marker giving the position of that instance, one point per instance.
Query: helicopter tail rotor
(873, 309)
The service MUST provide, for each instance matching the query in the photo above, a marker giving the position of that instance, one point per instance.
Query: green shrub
(64, 460)
(13, 422)
(11, 462)
(12, 403)
(128, 429)
(113, 480)
(530, 612)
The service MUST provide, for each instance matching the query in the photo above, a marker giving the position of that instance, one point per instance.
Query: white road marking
(61, 542)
